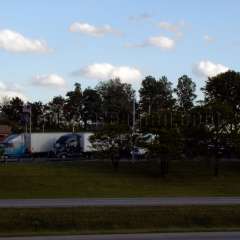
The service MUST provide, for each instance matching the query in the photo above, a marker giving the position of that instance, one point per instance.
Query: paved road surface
(100, 202)
(170, 236)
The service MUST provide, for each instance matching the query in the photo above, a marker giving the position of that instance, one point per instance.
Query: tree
(224, 89)
(92, 106)
(167, 145)
(56, 108)
(13, 111)
(223, 99)
(73, 106)
(111, 141)
(37, 113)
(148, 92)
(185, 91)
(117, 99)
(156, 95)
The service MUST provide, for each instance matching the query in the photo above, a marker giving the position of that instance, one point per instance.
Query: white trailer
(86, 145)
(20, 145)
(43, 142)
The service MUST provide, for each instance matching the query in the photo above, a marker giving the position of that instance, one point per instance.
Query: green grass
(81, 179)
(88, 220)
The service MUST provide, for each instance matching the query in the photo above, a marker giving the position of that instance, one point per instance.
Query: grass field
(118, 220)
(53, 180)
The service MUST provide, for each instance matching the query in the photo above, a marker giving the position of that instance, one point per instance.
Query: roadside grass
(98, 179)
(91, 220)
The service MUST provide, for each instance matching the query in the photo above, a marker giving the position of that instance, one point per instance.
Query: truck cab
(68, 146)
(14, 146)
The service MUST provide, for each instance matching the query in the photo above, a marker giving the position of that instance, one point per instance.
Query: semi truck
(74, 145)
(34, 144)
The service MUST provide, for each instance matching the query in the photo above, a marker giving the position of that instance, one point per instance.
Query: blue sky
(46, 46)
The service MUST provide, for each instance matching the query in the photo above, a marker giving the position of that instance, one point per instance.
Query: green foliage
(223, 99)
(92, 106)
(185, 91)
(12, 110)
(167, 144)
(73, 106)
(196, 140)
(224, 88)
(156, 95)
(111, 140)
(235, 137)
(117, 100)
(110, 107)
(37, 113)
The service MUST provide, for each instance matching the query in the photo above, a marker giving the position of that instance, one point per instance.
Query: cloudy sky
(46, 46)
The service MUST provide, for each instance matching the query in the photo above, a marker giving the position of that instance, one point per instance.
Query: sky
(47, 46)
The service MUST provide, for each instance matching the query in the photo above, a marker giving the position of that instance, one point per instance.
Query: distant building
(5, 130)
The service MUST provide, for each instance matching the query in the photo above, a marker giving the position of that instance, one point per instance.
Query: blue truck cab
(14, 146)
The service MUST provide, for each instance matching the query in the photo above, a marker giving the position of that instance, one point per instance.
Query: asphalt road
(101, 202)
(165, 236)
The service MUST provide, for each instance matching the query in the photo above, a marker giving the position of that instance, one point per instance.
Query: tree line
(109, 101)
(181, 125)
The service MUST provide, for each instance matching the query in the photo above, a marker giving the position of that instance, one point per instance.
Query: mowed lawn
(98, 179)
(93, 220)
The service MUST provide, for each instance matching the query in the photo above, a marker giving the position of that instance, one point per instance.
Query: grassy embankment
(118, 220)
(56, 180)
(99, 180)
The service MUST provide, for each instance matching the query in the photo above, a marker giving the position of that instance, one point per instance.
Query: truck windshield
(9, 138)
(63, 139)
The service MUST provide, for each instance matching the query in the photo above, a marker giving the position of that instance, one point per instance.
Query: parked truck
(74, 145)
(23, 145)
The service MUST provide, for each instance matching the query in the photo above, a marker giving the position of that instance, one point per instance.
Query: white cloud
(51, 80)
(106, 71)
(207, 68)
(162, 42)
(10, 92)
(92, 30)
(16, 42)
(208, 39)
(173, 28)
